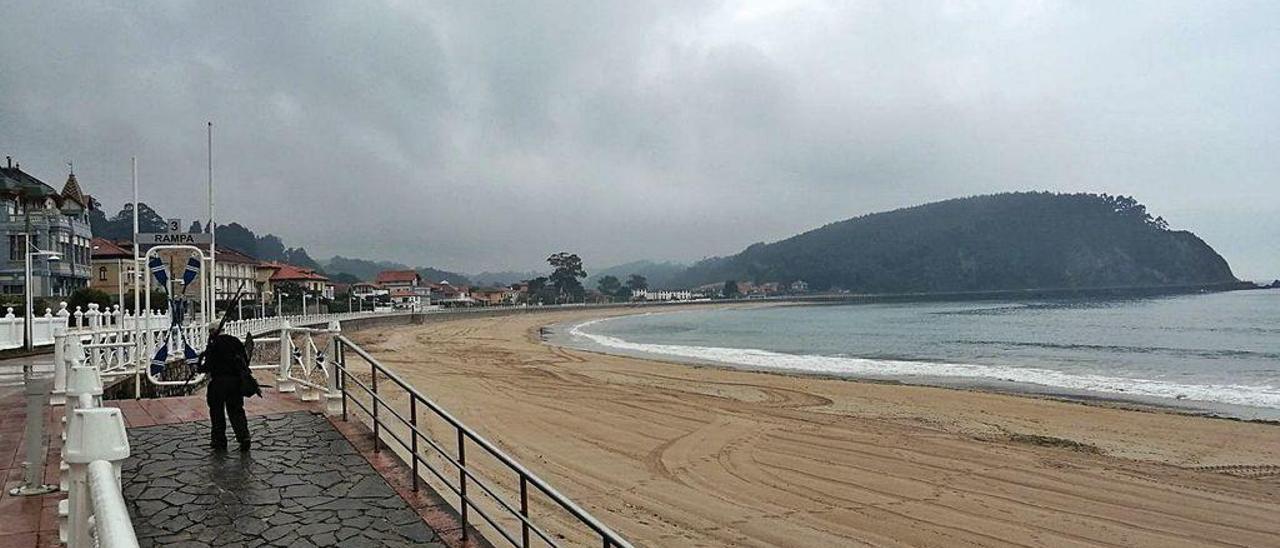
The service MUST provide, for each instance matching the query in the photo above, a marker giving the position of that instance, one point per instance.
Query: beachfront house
(404, 287)
(58, 221)
(661, 295)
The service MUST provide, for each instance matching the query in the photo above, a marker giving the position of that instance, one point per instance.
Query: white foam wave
(1257, 396)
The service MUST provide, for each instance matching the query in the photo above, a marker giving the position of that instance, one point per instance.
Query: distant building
(307, 278)
(366, 290)
(405, 288)
(446, 294)
(661, 295)
(232, 269)
(799, 286)
(493, 296)
(112, 266)
(59, 222)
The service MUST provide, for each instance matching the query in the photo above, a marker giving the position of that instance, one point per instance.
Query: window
(14, 246)
(102, 273)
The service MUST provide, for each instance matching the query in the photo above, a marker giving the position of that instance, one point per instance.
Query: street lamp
(280, 302)
(28, 316)
(304, 302)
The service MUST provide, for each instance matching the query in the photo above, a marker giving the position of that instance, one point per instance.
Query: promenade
(308, 481)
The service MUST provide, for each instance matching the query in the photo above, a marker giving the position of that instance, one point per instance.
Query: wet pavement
(303, 484)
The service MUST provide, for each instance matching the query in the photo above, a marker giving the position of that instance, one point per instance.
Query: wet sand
(678, 455)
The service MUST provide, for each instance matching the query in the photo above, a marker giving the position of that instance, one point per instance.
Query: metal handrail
(608, 537)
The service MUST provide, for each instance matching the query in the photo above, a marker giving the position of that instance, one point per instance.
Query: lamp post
(304, 302)
(280, 302)
(28, 316)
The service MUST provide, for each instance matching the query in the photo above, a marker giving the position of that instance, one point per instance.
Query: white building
(661, 295)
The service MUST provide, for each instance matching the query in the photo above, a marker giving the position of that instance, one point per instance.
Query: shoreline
(559, 334)
(672, 454)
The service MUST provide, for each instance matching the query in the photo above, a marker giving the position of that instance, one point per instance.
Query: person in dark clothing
(226, 363)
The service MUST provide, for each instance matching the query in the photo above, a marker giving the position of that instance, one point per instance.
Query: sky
(487, 135)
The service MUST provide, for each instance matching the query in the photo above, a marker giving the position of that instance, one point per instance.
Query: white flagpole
(137, 295)
(213, 239)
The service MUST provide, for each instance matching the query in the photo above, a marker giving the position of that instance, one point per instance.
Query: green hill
(1022, 240)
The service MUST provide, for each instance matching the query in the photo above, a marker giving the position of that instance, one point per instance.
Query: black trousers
(226, 403)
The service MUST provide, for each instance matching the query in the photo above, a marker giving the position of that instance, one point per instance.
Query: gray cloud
(487, 135)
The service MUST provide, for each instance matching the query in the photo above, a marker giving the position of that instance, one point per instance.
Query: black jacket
(225, 357)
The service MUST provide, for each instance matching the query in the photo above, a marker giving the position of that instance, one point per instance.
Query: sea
(1212, 353)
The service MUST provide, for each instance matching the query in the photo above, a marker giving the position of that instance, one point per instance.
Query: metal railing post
(413, 431)
(342, 376)
(462, 480)
(524, 511)
(373, 380)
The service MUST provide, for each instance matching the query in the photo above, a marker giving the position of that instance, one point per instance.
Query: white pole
(213, 235)
(137, 295)
(27, 316)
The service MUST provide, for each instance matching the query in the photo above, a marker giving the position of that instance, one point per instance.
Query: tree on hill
(609, 285)
(1025, 240)
(344, 278)
(566, 269)
(637, 283)
(730, 289)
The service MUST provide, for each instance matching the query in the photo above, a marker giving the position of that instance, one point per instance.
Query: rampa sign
(174, 238)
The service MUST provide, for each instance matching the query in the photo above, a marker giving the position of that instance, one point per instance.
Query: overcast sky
(487, 135)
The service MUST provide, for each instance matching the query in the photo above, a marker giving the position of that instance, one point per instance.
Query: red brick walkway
(32, 521)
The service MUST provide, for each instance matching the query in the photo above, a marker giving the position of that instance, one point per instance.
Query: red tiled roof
(226, 254)
(286, 272)
(107, 249)
(396, 276)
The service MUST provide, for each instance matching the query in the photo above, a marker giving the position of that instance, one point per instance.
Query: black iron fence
(449, 454)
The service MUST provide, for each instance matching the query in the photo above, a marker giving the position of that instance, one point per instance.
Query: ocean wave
(1257, 396)
(1200, 353)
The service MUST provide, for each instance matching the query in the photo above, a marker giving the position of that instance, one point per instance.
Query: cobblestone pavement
(303, 484)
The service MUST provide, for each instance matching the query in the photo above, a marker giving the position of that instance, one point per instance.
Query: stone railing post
(283, 383)
(59, 394)
(93, 434)
(333, 399)
(309, 362)
(82, 382)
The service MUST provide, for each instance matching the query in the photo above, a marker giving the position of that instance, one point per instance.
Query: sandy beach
(678, 455)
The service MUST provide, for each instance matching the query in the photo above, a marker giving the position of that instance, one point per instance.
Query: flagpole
(213, 239)
(137, 296)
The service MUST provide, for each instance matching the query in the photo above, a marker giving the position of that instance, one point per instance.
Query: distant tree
(609, 285)
(567, 268)
(637, 283)
(298, 256)
(270, 248)
(344, 278)
(289, 295)
(159, 300)
(539, 292)
(730, 290)
(239, 238)
(84, 296)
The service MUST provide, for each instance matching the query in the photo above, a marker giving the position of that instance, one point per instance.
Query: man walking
(227, 365)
